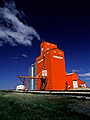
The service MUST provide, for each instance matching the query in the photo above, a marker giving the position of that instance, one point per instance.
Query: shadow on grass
(22, 106)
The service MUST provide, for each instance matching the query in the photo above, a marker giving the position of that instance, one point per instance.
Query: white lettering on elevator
(57, 57)
(40, 60)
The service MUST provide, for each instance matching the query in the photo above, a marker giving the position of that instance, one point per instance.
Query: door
(75, 85)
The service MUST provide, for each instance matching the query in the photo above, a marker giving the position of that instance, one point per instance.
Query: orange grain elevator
(52, 60)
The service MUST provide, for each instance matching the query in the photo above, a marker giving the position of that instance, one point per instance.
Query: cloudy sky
(25, 24)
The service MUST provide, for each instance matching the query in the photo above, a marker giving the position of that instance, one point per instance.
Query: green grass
(26, 106)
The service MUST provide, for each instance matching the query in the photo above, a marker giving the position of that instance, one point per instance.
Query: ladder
(43, 84)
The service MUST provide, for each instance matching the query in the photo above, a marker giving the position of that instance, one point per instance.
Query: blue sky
(24, 25)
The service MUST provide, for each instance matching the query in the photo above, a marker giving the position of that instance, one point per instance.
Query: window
(47, 48)
(42, 48)
(60, 53)
(48, 44)
(47, 52)
(54, 51)
(52, 44)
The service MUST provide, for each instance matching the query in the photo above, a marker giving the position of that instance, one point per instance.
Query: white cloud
(12, 30)
(24, 55)
(84, 75)
(87, 78)
(75, 70)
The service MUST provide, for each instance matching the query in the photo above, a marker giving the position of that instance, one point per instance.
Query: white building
(20, 87)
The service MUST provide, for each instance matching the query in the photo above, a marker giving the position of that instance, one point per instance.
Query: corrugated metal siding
(32, 72)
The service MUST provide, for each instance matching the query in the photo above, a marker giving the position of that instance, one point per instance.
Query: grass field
(26, 106)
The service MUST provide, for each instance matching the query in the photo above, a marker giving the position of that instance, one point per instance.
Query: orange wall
(58, 70)
(39, 65)
(70, 78)
(55, 65)
(47, 46)
(69, 81)
(80, 82)
(49, 71)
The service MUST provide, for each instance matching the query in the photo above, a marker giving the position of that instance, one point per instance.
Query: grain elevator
(50, 71)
